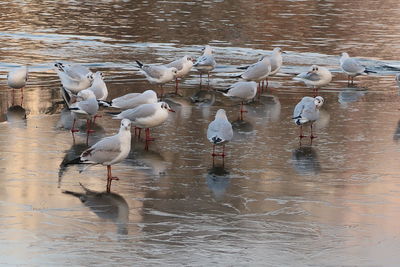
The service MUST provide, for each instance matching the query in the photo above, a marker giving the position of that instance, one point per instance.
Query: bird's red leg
(148, 139)
(242, 111)
(176, 85)
(301, 133)
(96, 116)
(110, 178)
(88, 127)
(312, 136)
(73, 130)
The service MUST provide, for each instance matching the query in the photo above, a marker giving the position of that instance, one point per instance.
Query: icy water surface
(274, 203)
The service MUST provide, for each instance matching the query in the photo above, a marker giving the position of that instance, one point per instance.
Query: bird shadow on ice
(218, 180)
(305, 161)
(70, 154)
(108, 206)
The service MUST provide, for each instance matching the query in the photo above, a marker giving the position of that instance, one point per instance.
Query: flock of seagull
(84, 92)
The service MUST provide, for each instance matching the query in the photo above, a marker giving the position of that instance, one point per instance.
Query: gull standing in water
(146, 116)
(206, 63)
(74, 78)
(306, 112)
(352, 67)
(183, 65)
(244, 91)
(316, 77)
(219, 132)
(158, 74)
(108, 151)
(17, 78)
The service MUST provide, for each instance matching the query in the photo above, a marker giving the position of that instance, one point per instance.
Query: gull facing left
(109, 151)
(183, 66)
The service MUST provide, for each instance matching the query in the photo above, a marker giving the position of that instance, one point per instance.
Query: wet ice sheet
(275, 203)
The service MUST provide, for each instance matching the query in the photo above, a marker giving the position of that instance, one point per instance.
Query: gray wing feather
(89, 106)
(153, 71)
(220, 128)
(351, 65)
(207, 60)
(105, 150)
(255, 71)
(142, 111)
(178, 64)
(309, 76)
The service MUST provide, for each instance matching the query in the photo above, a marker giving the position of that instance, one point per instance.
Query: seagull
(85, 108)
(99, 87)
(108, 151)
(352, 67)
(219, 132)
(183, 65)
(276, 63)
(307, 112)
(206, 63)
(158, 74)
(244, 91)
(18, 77)
(74, 78)
(258, 71)
(146, 116)
(316, 77)
(132, 100)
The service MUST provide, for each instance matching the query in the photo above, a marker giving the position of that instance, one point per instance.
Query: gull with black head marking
(146, 116)
(158, 74)
(316, 77)
(219, 132)
(205, 63)
(183, 66)
(306, 112)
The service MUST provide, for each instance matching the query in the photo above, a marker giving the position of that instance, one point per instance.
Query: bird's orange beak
(171, 110)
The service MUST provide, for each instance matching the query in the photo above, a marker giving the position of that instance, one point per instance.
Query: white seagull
(352, 67)
(18, 77)
(183, 66)
(132, 100)
(158, 74)
(219, 132)
(242, 90)
(74, 78)
(85, 108)
(109, 151)
(258, 71)
(307, 112)
(99, 87)
(316, 77)
(206, 63)
(146, 116)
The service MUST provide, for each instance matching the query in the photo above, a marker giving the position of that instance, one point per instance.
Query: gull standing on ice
(206, 63)
(84, 109)
(146, 116)
(18, 77)
(306, 112)
(108, 151)
(158, 74)
(316, 77)
(258, 71)
(74, 78)
(183, 65)
(352, 67)
(244, 91)
(219, 132)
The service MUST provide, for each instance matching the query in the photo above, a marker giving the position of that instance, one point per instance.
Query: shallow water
(274, 203)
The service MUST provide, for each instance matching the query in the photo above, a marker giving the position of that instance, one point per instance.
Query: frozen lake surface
(274, 203)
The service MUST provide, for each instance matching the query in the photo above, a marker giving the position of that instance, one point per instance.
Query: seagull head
(166, 106)
(318, 101)
(278, 50)
(174, 71)
(207, 50)
(90, 76)
(188, 58)
(99, 75)
(345, 55)
(313, 69)
(220, 113)
(126, 124)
